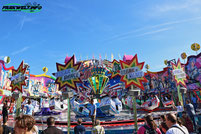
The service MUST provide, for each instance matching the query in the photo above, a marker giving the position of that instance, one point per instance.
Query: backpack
(179, 128)
(149, 130)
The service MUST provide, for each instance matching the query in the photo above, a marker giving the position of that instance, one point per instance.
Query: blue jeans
(179, 114)
(194, 122)
(195, 106)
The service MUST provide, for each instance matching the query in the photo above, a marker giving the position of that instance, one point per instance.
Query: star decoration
(178, 80)
(117, 66)
(72, 82)
(134, 81)
(19, 84)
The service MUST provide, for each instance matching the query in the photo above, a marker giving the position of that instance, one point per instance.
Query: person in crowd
(25, 125)
(151, 98)
(35, 130)
(149, 127)
(186, 121)
(5, 110)
(174, 127)
(180, 109)
(1, 129)
(98, 129)
(163, 127)
(199, 130)
(162, 118)
(194, 102)
(6, 129)
(79, 129)
(51, 129)
(29, 108)
(191, 112)
(179, 121)
(92, 112)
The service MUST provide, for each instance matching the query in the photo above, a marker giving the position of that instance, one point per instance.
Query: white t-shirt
(98, 130)
(175, 130)
(36, 130)
(180, 109)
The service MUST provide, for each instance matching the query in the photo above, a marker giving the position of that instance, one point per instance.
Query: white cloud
(182, 5)
(126, 34)
(23, 21)
(154, 31)
(176, 22)
(146, 28)
(20, 51)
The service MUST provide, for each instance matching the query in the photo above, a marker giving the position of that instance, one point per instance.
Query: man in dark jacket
(5, 111)
(6, 129)
(191, 112)
(51, 129)
(79, 129)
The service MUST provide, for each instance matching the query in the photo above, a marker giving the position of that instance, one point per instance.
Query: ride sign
(132, 74)
(71, 76)
(68, 74)
(179, 73)
(129, 70)
(18, 77)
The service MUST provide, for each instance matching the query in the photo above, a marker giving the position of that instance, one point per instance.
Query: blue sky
(154, 29)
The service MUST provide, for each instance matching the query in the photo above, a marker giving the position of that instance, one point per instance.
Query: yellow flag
(112, 56)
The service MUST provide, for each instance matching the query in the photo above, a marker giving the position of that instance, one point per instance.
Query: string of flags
(100, 57)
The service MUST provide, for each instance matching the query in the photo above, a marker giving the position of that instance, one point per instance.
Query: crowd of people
(26, 124)
(181, 123)
(170, 124)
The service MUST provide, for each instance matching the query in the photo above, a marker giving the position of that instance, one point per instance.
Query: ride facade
(103, 80)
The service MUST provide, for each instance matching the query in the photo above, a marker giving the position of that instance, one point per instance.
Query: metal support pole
(18, 107)
(173, 97)
(179, 95)
(135, 113)
(183, 96)
(134, 110)
(68, 99)
(160, 99)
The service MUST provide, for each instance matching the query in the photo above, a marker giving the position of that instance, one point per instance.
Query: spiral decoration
(7, 59)
(183, 55)
(195, 46)
(45, 69)
(165, 62)
(147, 66)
